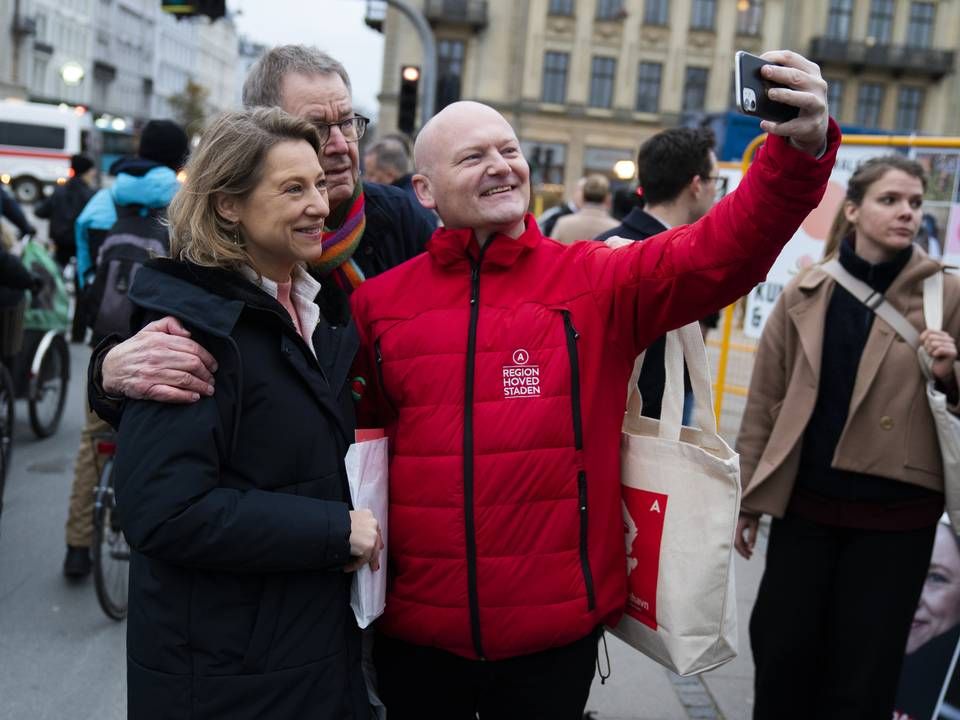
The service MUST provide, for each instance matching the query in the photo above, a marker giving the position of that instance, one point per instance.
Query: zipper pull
(474, 284)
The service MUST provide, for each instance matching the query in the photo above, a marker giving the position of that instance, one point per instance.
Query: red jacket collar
(449, 246)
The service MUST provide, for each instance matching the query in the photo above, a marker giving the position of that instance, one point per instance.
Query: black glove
(28, 230)
(38, 284)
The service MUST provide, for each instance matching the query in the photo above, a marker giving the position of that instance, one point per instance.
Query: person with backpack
(64, 206)
(116, 232)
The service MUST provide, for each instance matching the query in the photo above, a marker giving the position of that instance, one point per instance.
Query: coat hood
(154, 189)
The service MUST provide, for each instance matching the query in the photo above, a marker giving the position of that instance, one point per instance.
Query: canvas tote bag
(680, 500)
(947, 424)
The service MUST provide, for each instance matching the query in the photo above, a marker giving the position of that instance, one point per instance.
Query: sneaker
(77, 564)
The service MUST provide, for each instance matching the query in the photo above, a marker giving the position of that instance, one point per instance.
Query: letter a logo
(655, 507)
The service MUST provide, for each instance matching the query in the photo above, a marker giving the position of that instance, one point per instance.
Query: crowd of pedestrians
(298, 300)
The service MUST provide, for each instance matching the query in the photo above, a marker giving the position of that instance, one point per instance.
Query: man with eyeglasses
(679, 182)
(371, 228)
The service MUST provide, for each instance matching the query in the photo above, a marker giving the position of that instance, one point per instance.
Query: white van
(36, 142)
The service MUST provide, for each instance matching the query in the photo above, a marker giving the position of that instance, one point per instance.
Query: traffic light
(407, 110)
(213, 9)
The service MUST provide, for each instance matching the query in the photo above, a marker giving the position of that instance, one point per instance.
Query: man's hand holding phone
(804, 89)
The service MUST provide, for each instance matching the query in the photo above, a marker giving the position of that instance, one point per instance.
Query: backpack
(138, 235)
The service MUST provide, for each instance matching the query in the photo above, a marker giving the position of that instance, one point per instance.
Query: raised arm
(690, 271)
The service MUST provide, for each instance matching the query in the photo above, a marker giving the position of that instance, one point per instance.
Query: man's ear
(421, 186)
(696, 186)
(227, 206)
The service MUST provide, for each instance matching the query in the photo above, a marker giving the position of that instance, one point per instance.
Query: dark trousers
(425, 683)
(831, 620)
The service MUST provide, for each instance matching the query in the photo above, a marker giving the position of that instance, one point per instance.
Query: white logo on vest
(521, 380)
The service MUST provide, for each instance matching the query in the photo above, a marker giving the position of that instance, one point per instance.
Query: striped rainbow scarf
(344, 228)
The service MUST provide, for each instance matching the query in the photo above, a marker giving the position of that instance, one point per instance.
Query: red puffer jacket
(500, 374)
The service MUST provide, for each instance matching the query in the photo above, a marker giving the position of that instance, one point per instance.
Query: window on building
(835, 90)
(880, 25)
(547, 162)
(920, 27)
(555, 77)
(838, 19)
(656, 12)
(909, 104)
(561, 7)
(649, 77)
(703, 14)
(610, 9)
(695, 89)
(450, 76)
(869, 104)
(749, 17)
(602, 72)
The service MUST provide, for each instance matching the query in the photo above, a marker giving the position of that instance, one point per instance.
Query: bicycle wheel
(111, 554)
(6, 426)
(48, 390)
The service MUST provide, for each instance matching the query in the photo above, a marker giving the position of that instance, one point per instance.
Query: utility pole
(428, 69)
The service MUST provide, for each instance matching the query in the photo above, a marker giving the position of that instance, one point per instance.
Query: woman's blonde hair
(861, 180)
(228, 161)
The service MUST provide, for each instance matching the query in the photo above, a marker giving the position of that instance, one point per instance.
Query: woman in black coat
(237, 506)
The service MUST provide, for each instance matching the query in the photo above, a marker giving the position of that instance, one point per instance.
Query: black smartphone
(752, 90)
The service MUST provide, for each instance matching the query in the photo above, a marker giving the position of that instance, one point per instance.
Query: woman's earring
(236, 237)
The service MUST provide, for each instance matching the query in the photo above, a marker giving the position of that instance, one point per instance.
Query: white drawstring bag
(681, 500)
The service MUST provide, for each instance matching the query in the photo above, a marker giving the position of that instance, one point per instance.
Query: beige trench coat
(889, 430)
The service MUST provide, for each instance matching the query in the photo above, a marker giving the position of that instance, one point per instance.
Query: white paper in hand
(366, 464)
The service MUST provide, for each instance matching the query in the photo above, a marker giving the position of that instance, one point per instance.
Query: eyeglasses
(719, 183)
(352, 128)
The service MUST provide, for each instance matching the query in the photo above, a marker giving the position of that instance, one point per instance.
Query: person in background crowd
(549, 218)
(838, 445)
(592, 218)
(677, 170)
(459, 519)
(146, 181)
(624, 200)
(64, 206)
(11, 210)
(370, 229)
(388, 162)
(237, 507)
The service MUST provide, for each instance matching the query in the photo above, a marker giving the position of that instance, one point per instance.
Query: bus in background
(36, 142)
(117, 140)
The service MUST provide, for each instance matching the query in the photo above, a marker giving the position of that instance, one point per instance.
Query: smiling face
(939, 607)
(471, 171)
(325, 98)
(887, 219)
(281, 220)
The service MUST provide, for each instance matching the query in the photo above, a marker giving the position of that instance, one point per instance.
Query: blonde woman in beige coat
(838, 445)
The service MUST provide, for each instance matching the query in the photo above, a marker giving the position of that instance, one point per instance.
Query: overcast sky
(335, 26)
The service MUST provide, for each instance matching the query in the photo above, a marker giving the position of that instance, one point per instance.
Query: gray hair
(391, 153)
(262, 86)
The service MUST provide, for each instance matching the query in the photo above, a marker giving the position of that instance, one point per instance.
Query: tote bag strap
(682, 345)
(874, 301)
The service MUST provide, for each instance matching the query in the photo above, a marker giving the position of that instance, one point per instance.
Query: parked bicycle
(111, 554)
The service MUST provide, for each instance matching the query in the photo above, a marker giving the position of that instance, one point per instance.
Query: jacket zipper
(468, 453)
(572, 337)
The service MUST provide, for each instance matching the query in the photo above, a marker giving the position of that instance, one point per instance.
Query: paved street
(61, 657)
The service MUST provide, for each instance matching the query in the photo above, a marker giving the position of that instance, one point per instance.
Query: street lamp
(624, 169)
(71, 73)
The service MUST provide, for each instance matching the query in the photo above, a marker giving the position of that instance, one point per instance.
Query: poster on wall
(941, 222)
(929, 687)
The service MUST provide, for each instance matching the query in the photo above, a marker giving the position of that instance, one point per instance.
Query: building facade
(584, 82)
(131, 55)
